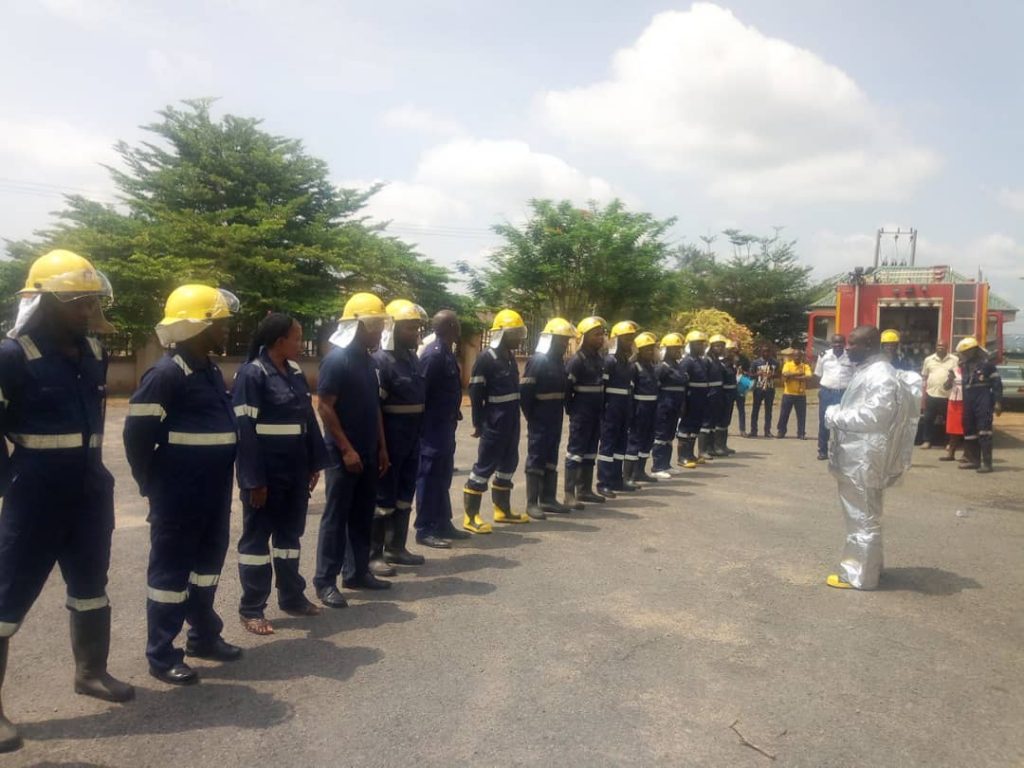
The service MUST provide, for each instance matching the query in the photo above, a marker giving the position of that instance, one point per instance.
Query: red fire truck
(923, 303)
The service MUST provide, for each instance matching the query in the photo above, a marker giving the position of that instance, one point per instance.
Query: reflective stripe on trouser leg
(862, 560)
(205, 625)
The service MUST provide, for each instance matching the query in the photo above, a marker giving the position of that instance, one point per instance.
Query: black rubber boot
(10, 739)
(585, 489)
(640, 473)
(972, 455)
(90, 644)
(985, 447)
(378, 566)
(715, 443)
(533, 483)
(395, 551)
(703, 453)
(628, 471)
(572, 482)
(724, 447)
(548, 494)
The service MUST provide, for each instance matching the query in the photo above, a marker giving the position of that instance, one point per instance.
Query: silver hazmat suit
(871, 441)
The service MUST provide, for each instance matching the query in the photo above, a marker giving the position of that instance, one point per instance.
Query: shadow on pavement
(927, 581)
(444, 586)
(176, 710)
(295, 659)
(500, 539)
(474, 561)
(608, 509)
(565, 523)
(359, 615)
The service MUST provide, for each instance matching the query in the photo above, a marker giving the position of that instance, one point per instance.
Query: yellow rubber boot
(833, 580)
(471, 520)
(502, 500)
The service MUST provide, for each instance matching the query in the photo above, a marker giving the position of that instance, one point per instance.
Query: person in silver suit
(871, 440)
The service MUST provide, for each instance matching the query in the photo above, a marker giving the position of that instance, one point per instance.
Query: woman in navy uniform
(494, 396)
(180, 437)
(58, 505)
(671, 399)
(542, 398)
(584, 401)
(645, 406)
(618, 409)
(403, 393)
(280, 455)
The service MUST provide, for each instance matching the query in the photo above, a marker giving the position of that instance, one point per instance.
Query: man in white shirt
(833, 370)
(935, 372)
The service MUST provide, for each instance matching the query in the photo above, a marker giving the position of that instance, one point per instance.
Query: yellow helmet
(645, 339)
(403, 309)
(696, 336)
(731, 344)
(889, 336)
(199, 303)
(364, 306)
(967, 343)
(559, 326)
(507, 319)
(624, 327)
(672, 340)
(717, 339)
(587, 324)
(67, 275)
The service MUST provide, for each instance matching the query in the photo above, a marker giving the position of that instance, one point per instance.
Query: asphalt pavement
(687, 624)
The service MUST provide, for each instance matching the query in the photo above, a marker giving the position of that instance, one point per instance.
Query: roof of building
(899, 275)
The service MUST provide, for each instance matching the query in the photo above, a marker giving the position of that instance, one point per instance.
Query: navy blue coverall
(618, 410)
(716, 397)
(542, 398)
(402, 392)
(442, 383)
(494, 396)
(671, 401)
(584, 401)
(983, 388)
(350, 375)
(58, 502)
(645, 406)
(180, 437)
(279, 447)
(728, 395)
(695, 415)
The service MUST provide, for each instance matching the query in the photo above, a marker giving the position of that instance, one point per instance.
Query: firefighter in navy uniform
(695, 412)
(729, 383)
(494, 396)
(442, 381)
(983, 399)
(671, 400)
(280, 455)
(618, 409)
(402, 392)
(645, 407)
(542, 399)
(58, 497)
(584, 401)
(709, 442)
(180, 438)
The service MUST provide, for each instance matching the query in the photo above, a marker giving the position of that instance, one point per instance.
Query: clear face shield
(226, 304)
(515, 336)
(77, 285)
(345, 334)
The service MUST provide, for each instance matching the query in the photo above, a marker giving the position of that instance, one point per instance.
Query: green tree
(226, 202)
(762, 284)
(572, 262)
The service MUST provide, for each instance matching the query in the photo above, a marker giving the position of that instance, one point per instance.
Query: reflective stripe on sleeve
(646, 398)
(247, 410)
(616, 391)
(551, 396)
(47, 442)
(202, 438)
(414, 408)
(29, 348)
(203, 579)
(180, 362)
(698, 384)
(8, 628)
(286, 554)
(280, 429)
(477, 380)
(166, 596)
(673, 389)
(147, 409)
(253, 559)
(87, 604)
(588, 388)
(510, 398)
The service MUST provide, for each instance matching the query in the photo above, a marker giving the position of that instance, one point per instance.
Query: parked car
(1013, 384)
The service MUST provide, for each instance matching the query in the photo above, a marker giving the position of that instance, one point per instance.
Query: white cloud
(1012, 198)
(411, 118)
(179, 68)
(53, 143)
(761, 119)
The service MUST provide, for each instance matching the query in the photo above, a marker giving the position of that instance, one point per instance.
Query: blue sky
(829, 118)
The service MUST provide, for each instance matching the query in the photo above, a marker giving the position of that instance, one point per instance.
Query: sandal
(306, 609)
(258, 626)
